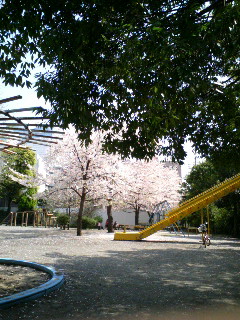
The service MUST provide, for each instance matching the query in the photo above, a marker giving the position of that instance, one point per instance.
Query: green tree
(27, 201)
(202, 177)
(20, 162)
(147, 70)
(225, 217)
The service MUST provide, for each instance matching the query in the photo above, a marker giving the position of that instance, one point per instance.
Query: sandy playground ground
(167, 276)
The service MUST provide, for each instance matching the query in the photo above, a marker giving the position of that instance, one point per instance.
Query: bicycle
(205, 237)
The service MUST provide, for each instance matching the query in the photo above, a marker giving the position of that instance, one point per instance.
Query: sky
(29, 97)
(190, 160)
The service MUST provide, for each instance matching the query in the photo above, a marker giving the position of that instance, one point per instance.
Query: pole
(208, 220)
(202, 221)
(11, 219)
(26, 221)
(23, 215)
(15, 219)
(34, 219)
(201, 216)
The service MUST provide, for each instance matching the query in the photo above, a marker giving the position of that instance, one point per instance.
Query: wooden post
(23, 216)
(34, 219)
(15, 219)
(38, 218)
(208, 220)
(11, 219)
(26, 221)
(45, 217)
(202, 221)
(41, 219)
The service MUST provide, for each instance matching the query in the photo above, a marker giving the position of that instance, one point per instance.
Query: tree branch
(215, 5)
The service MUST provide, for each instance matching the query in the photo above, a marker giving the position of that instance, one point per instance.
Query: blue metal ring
(54, 283)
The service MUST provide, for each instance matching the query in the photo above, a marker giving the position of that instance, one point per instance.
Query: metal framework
(16, 131)
(160, 210)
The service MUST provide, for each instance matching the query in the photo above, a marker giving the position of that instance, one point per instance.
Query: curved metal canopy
(17, 131)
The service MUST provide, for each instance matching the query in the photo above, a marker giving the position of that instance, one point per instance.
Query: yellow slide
(184, 209)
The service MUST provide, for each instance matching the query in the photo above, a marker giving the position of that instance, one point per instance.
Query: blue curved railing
(54, 283)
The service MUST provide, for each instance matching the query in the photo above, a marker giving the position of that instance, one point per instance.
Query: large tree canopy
(147, 70)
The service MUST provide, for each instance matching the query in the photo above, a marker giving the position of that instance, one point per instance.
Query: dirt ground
(14, 279)
(165, 277)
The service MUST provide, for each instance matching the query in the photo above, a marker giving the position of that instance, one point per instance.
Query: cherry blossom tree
(85, 173)
(148, 183)
(60, 198)
(83, 170)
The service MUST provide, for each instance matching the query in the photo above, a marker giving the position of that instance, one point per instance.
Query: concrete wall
(123, 217)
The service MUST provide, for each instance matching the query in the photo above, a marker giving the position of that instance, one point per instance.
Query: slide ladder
(184, 209)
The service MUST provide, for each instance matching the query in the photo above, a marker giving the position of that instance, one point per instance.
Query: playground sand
(167, 276)
(14, 279)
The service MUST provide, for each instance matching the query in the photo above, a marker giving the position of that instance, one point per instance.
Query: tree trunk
(69, 214)
(110, 218)
(82, 202)
(137, 209)
(80, 213)
(9, 202)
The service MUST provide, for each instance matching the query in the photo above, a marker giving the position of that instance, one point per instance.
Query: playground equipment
(54, 283)
(159, 212)
(186, 208)
(43, 218)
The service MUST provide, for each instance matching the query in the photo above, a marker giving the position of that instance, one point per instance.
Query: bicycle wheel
(208, 242)
(204, 242)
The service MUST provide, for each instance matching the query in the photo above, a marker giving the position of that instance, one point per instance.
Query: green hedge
(63, 219)
(87, 223)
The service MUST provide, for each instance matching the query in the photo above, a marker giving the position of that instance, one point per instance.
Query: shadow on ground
(147, 284)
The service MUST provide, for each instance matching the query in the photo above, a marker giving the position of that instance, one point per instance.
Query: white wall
(123, 217)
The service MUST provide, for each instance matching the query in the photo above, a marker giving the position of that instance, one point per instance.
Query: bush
(63, 219)
(73, 222)
(88, 223)
(223, 220)
(98, 219)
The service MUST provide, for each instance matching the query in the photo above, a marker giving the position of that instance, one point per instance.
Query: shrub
(223, 220)
(88, 223)
(98, 219)
(63, 219)
(73, 222)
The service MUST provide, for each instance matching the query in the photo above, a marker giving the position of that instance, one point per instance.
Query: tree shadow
(143, 283)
